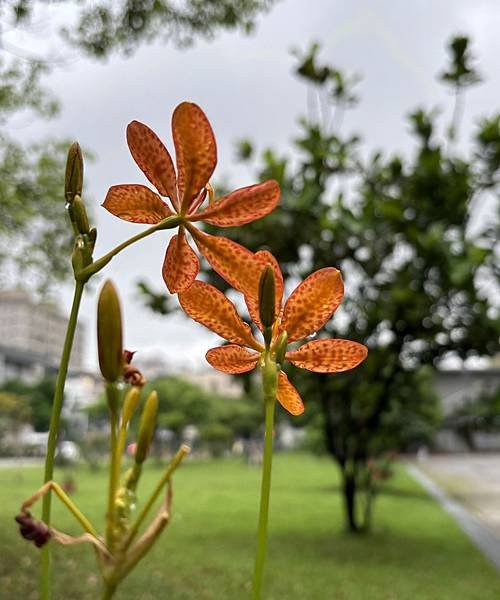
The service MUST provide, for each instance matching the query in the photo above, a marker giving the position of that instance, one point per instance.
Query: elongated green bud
(73, 182)
(267, 297)
(280, 347)
(147, 427)
(109, 333)
(80, 215)
(130, 404)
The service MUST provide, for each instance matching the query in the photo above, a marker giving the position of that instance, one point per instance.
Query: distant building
(32, 337)
(454, 389)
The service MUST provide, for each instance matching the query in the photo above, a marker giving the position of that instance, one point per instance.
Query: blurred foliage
(103, 27)
(37, 397)
(14, 409)
(220, 420)
(421, 282)
(34, 240)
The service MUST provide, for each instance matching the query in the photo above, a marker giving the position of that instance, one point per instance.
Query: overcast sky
(247, 88)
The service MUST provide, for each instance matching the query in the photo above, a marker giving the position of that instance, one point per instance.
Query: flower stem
(54, 433)
(269, 384)
(113, 394)
(109, 591)
(97, 265)
(181, 453)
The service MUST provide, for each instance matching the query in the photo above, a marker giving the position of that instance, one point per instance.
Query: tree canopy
(101, 28)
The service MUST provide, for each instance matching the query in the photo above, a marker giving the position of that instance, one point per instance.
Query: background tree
(34, 240)
(220, 420)
(101, 28)
(14, 413)
(420, 281)
(38, 397)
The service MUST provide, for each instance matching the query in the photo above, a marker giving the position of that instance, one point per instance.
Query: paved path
(468, 487)
(8, 463)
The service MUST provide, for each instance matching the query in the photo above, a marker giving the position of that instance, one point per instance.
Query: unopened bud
(73, 182)
(130, 404)
(109, 333)
(147, 427)
(92, 237)
(280, 347)
(267, 297)
(80, 215)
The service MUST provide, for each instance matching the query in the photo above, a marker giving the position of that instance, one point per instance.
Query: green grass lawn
(415, 551)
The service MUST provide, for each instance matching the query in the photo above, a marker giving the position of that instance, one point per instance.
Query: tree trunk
(350, 490)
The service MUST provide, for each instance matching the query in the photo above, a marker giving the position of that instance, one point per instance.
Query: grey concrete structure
(32, 337)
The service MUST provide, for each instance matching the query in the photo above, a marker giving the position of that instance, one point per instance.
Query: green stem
(269, 383)
(54, 433)
(97, 265)
(109, 591)
(181, 453)
(112, 392)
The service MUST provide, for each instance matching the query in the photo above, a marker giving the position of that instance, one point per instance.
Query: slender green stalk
(269, 383)
(54, 433)
(52, 486)
(181, 453)
(109, 591)
(112, 392)
(97, 265)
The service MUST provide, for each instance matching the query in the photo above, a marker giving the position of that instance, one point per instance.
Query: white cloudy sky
(247, 88)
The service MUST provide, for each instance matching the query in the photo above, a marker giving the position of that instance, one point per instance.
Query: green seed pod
(147, 427)
(73, 182)
(109, 333)
(130, 404)
(80, 215)
(267, 297)
(280, 347)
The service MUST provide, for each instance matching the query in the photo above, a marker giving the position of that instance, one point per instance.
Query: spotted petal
(242, 206)
(264, 257)
(153, 159)
(288, 396)
(196, 151)
(136, 203)
(328, 356)
(181, 265)
(233, 262)
(207, 305)
(312, 303)
(232, 359)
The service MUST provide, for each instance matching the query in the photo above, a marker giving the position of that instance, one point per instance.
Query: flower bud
(92, 238)
(73, 182)
(147, 427)
(280, 347)
(80, 215)
(130, 404)
(267, 297)
(109, 333)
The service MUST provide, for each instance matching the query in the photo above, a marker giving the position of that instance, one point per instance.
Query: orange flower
(307, 309)
(196, 156)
